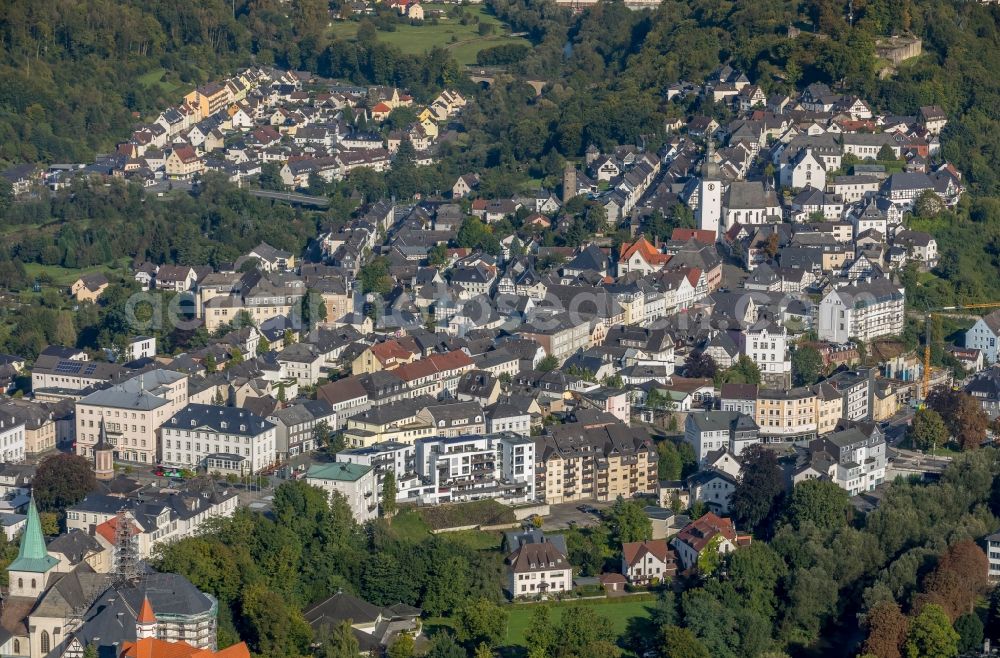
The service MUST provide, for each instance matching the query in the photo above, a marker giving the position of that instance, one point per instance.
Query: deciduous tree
(480, 621)
(699, 364)
(585, 634)
(682, 643)
(970, 632)
(820, 503)
(628, 522)
(807, 365)
(931, 635)
(887, 629)
(958, 579)
(540, 636)
(62, 480)
(928, 430)
(402, 647)
(274, 628)
(760, 486)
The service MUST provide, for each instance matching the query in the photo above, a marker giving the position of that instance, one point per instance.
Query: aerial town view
(500, 329)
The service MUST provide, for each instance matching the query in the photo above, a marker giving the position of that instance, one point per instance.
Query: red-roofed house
(106, 531)
(710, 532)
(381, 112)
(640, 256)
(642, 561)
(537, 220)
(479, 207)
(387, 355)
(183, 162)
(685, 234)
(264, 136)
(435, 373)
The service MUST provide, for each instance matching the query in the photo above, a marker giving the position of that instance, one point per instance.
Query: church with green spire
(29, 572)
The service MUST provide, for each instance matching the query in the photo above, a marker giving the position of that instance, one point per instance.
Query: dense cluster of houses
(531, 375)
(307, 125)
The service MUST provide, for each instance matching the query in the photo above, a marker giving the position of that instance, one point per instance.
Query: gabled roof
(537, 556)
(434, 363)
(389, 350)
(646, 251)
(634, 552)
(699, 533)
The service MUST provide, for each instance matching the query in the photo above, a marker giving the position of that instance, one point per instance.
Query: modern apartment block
(463, 468)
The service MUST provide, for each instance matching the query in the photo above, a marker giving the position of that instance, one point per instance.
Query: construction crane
(944, 310)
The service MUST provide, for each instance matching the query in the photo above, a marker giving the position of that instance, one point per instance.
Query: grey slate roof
(227, 420)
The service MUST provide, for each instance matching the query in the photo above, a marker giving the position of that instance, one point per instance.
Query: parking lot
(565, 514)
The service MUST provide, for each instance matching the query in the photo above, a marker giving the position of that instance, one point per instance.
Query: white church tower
(710, 193)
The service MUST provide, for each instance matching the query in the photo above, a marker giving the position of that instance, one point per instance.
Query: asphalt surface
(565, 515)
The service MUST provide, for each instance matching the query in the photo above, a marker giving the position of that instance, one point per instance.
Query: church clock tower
(710, 193)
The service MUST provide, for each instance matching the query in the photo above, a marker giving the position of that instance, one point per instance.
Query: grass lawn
(408, 525)
(478, 540)
(156, 77)
(61, 276)
(463, 41)
(619, 610)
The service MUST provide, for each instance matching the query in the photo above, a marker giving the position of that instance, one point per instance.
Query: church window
(46, 645)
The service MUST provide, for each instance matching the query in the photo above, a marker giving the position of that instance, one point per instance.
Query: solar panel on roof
(90, 369)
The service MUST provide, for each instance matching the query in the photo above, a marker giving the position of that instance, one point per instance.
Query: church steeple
(709, 168)
(27, 572)
(104, 455)
(145, 622)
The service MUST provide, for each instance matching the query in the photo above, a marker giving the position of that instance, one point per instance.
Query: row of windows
(208, 435)
(208, 448)
(117, 414)
(136, 443)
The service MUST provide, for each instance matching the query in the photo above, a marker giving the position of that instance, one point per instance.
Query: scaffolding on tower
(128, 565)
